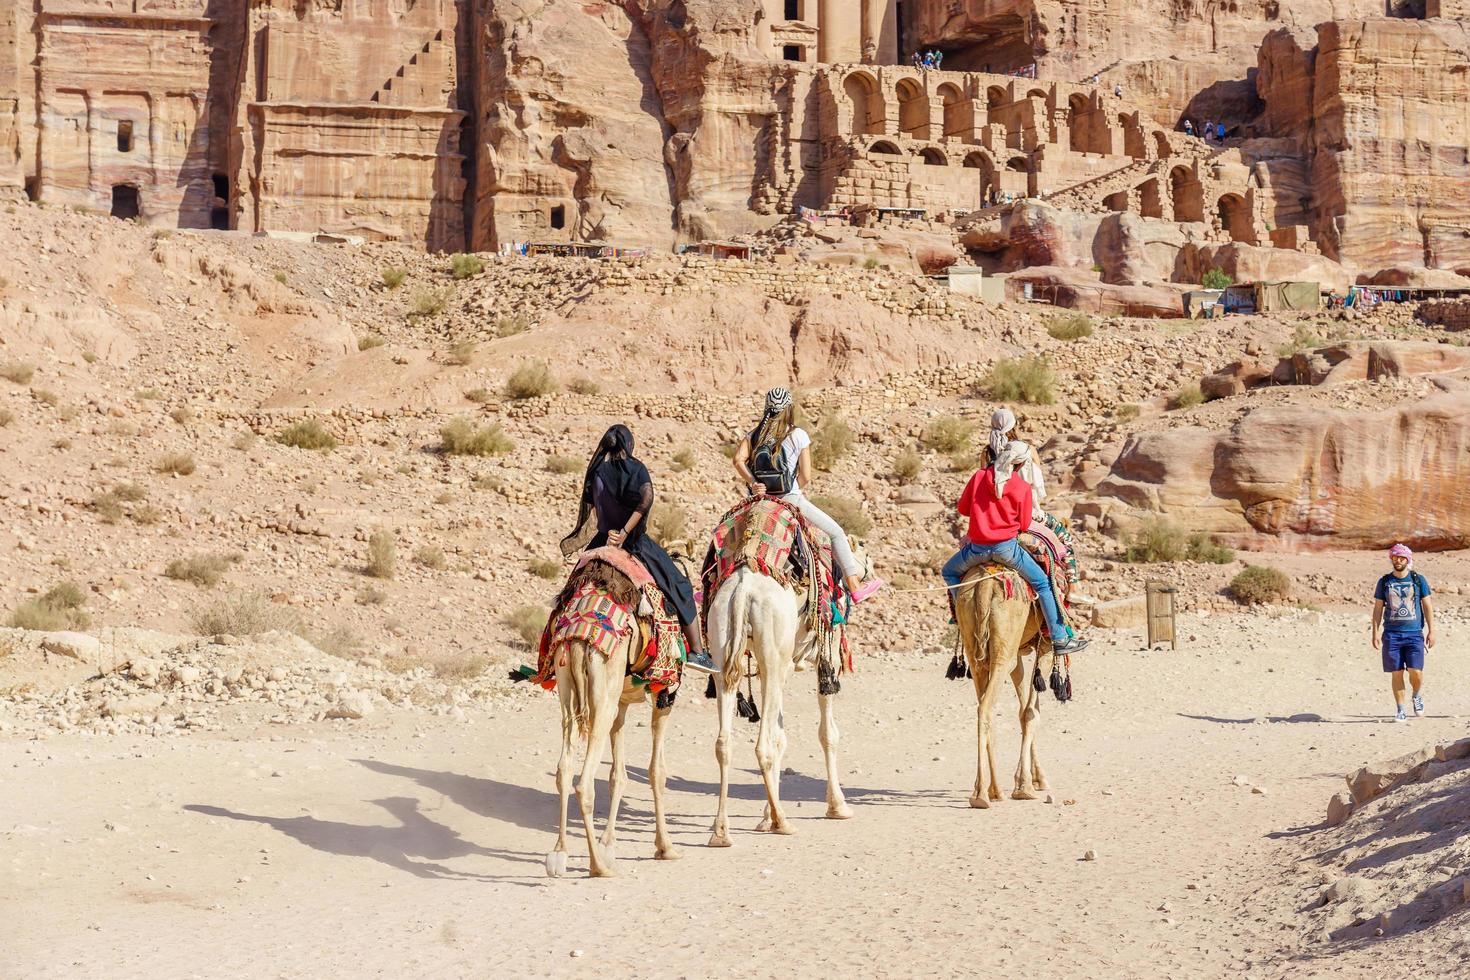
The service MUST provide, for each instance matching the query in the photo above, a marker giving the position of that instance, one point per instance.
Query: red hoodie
(992, 519)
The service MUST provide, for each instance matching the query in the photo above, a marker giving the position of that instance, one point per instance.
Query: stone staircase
(1090, 194)
(421, 79)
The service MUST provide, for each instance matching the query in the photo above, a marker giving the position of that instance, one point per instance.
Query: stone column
(94, 135)
(834, 32)
(873, 11)
(155, 138)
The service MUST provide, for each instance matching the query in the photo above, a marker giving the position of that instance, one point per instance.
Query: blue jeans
(1012, 555)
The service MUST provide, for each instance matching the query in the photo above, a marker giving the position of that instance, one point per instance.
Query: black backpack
(768, 466)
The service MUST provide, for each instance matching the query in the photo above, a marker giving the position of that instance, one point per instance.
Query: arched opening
(1162, 149)
(1150, 201)
(933, 157)
(885, 147)
(1036, 93)
(1079, 116)
(1187, 195)
(1018, 164)
(913, 109)
(955, 123)
(989, 186)
(866, 102)
(125, 201)
(1132, 137)
(995, 97)
(1235, 218)
(1116, 201)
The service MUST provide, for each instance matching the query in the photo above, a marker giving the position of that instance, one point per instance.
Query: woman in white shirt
(776, 459)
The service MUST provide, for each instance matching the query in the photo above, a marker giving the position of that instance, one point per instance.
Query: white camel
(595, 694)
(754, 613)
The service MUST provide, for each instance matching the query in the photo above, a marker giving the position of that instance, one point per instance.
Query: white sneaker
(1401, 716)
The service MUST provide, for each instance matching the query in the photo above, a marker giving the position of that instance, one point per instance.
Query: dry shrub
(61, 608)
(564, 464)
(531, 380)
(1159, 539)
(462, 353)
(430, 556)
(183, 415)
(1070, 326)
(478, 395)
(177, 464)
(462, 266)
(107, 506)
(1188, 397)
(370, 341)
(528, 622)
(147, 514)
(6, 417)
(130, 493)
(148, 394)
(205, 571)
(307, 434)
(244, 614)
(948, 435)
(461, 437)
(509, 326)
(907, 466)
(583, 386)
(17, 373)
(668, 523)
(544, 568)
(382, 555)
(1027, 380)
(1127, 412)
(831, 442)
(460, 667)
(684, 460)
(46, 397)
(429, 302)
(1256, 584)
(848, 513)
(393, 277)
(371, 595)
(1302, 338)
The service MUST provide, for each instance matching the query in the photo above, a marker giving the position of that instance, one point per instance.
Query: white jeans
(841, 550)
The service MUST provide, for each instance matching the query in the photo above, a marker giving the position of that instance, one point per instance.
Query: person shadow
(418, 845)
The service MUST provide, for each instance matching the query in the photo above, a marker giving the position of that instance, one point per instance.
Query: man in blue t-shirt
(1401, 608)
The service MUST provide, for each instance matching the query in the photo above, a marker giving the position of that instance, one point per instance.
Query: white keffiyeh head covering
(1009, 454)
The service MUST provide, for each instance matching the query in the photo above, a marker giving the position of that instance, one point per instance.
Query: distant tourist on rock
(1188, 128)
(938, 60)
(1401, 608)
(1117, 90)
(1220, 132)
(776, 459)
(1209, 130)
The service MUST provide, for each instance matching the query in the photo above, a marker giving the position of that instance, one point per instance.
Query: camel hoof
(719, 840)
(843, 812)
(667, 854)
(979, 803)
(1023, 794)
(784, 829)
(607, 871)
(764, 827)
(556, 864)
(995, 794)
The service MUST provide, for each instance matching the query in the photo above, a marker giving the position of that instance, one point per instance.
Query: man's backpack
(768, 466)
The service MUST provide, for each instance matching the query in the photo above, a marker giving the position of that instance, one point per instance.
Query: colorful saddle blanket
(772, 537)
(608, 596)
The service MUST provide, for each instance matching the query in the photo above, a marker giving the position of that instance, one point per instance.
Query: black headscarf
(622, 475)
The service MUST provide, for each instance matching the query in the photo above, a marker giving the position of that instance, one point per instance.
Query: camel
(595, 695)
(755, 613)
(994, 629)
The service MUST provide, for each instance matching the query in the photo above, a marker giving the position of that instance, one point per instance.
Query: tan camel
(755, 613)
(994, 629)
(595, 695)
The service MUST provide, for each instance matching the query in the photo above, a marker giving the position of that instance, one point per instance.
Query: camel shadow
(416, 846)
(1302, 718)
(796, 787)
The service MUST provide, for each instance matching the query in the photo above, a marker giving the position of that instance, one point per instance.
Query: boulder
(1127, 613)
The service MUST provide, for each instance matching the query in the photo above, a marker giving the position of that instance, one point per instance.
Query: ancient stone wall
(1452, 314)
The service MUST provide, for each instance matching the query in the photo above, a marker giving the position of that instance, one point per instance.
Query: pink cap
(1400, 551)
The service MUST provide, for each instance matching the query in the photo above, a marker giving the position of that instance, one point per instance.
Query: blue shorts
(1403, 651)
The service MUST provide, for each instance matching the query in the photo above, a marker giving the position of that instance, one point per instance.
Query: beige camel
(755, 613)
(595, 695)
(994, 629)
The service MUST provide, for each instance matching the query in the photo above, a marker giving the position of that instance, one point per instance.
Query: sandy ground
(397, 846)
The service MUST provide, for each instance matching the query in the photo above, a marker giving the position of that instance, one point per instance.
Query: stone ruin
(471, 124)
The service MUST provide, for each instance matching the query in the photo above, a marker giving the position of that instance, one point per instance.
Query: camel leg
(617, 778)
(827, 733)
(978, 798)
(725, 702)
(769, 745)
(1028, 715)
(663, 848)
(603, 712)
(556, 861)
(986, 788)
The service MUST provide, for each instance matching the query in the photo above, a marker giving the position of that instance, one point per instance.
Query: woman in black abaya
(619, 491)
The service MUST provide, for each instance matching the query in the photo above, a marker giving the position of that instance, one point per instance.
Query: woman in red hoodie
(998, 503)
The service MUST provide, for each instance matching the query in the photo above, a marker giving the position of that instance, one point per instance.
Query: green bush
(1070, 326)
(61, 608)
(1256, 584)
(1188, 397)
(430, 302)
(907, 466)
(1216, 279)
(1028, 380)
(1160, 539)
(461, 437)
(830, 443)
(948, 435)
(528, 622)
(531, 380)
(307, 434)
(393, 277)
(871, 263)
(848, 513)
(463, 266)
(1302, 338)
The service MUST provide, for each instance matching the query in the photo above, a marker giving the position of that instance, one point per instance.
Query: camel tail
(737, 638)
(577, 656)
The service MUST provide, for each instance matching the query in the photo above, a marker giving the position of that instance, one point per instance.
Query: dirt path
(396, 847)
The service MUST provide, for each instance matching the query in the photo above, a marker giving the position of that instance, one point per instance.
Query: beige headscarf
(1012, 456)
